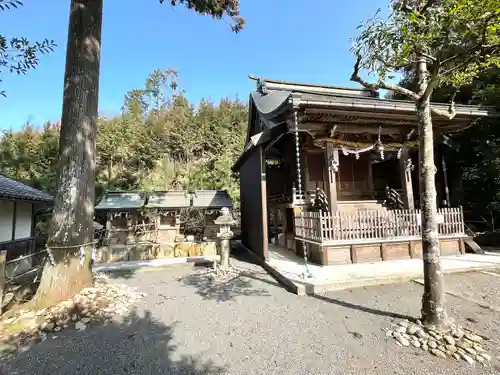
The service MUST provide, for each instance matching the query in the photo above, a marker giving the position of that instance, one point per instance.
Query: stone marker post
(225, 220)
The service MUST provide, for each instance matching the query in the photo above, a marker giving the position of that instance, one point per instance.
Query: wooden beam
(445, 180)
(349, 128)
(263, 202)
(354, 254)
(14, 214)
(33, 223)
(3, 281)
(331, 160)
(406, 181)
(383, 251)
(370, 176)
(306, 176)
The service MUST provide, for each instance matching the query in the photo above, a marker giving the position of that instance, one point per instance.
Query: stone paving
(190, 324)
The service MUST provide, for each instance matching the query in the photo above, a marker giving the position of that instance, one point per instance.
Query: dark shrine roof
(273, 102)
(12, 189)
(169, 199)
(121, 201)
(272, 97)
(212, 199)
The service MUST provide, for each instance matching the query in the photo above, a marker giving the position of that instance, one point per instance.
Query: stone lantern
(225, 220)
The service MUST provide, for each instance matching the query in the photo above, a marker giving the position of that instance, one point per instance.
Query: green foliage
(477, 163)
(17, 54)
(217, 9)
(160, 141)
(457, 38)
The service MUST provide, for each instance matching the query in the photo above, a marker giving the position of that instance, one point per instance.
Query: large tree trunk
(433, 310)
(71, 226)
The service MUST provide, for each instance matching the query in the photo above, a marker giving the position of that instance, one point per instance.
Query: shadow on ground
(138, 345)
(240, 285)
(364, 309)
(236, 253)
(243, 284)
(228, 289)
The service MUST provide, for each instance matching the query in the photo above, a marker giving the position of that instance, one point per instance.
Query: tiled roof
(211, 199)
(12, 189)
(169, 199)
(121, 200)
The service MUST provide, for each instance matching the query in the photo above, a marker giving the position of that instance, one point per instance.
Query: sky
(283, 39)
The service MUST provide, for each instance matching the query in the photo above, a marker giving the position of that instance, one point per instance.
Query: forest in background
(159, 141)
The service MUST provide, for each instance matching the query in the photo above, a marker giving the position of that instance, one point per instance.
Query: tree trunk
(73, 212)
(433, 310)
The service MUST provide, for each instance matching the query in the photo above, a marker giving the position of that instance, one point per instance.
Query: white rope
(80, 247)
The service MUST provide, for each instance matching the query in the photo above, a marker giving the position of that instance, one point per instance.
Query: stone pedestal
(225, 249)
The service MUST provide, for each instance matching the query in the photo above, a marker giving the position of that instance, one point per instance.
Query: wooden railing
(394, 199)
(22, 247)
(301, 197)
(373, 225)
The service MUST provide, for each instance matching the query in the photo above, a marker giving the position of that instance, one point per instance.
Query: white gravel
(250, 325)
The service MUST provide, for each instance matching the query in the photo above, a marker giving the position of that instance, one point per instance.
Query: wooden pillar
(370, 177)
(287, 226)
(306, 176)
(108, 227)
(3, 281)
(276, 225)
(445, 180)
(14, 220)
(157, 227)
(406, 182)
(331, 166)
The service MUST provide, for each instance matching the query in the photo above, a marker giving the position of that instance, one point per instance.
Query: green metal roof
(212, 199)
(169, 199)
(121, 200)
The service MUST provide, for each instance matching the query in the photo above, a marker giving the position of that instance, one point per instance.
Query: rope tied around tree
(80, 247)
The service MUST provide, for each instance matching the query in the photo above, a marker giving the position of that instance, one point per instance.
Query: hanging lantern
(273, 158)
(379, 149)
(334, 165)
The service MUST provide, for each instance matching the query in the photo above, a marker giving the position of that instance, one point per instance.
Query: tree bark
(433, 304)
(73, 212)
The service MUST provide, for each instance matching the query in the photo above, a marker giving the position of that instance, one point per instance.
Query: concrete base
(327, 278)
(289, 285)
(138, 264)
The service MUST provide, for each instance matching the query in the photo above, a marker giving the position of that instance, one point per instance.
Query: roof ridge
(305, 84)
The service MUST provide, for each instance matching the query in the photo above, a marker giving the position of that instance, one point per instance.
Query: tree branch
(432, 81)
(480, 46)
(450, 114)
(406, 7)
(420, 9)
(380, 84)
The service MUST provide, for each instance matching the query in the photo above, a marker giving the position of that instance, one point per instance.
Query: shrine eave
(274, 98)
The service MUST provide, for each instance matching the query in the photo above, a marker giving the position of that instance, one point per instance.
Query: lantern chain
(299, 189)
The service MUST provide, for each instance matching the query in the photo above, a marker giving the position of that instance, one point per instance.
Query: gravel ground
(186, 325)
